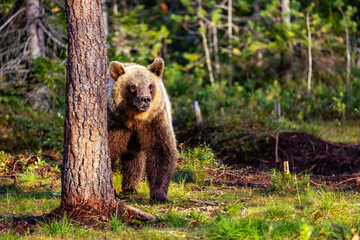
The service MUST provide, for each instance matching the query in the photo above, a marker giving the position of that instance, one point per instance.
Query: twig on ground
(175, 235)
(204, 202)
(347, 180)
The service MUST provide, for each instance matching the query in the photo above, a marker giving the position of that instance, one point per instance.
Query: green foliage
(28, 129)
(235, 228)
(194, 162)
(197, 218)
(4, 158)
(172, 219)
(287, 182)
(60, 227)
(9, 236)
(186, 176)
(134, 41)
(52, 74)
(305, 230)
(116, 225)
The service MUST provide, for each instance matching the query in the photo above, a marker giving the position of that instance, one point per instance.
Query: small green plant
(8, 236)
(305, 230)
(194, 164)
(234, 209)
(224, 227)
(186, 176)
(196, 218)
(4, 158)
(116, 225)
(287, 182)
(278, 211)
(339, 106)
(58, 227)
(173, 220)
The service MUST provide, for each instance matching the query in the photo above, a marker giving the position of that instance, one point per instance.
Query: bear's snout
(145, 100)
(144, 103)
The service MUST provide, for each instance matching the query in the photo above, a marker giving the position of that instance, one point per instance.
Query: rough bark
(34, 12)
(87, 177)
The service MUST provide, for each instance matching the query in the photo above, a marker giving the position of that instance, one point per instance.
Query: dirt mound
(305, 153)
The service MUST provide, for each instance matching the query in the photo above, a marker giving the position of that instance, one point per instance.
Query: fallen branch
(347, 180)
(138, 214)
(203, 202)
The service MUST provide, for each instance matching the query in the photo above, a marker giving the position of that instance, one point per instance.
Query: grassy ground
(290, 207)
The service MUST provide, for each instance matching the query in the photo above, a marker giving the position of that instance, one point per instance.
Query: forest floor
(235, 201)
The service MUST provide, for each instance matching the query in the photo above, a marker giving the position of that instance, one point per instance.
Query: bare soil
(306, 153)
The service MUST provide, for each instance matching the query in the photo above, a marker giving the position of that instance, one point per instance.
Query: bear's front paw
(159, 198)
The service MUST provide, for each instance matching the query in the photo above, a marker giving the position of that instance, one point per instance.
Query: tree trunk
(87, 177)
(348, 58)
(309, 53)
(115, 7)
(105, 14)
(285, 11)
(216, 51)
(206, 46)
(36, 43)
(230, 46)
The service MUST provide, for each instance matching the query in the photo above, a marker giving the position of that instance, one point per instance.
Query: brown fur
(143, 140)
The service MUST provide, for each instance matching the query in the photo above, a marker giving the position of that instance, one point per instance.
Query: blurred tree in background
(250, 64)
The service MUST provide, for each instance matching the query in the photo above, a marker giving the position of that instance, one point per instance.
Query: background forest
(268, 65)
(250, 81)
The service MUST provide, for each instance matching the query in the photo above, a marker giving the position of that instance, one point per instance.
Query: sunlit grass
(335, 131)
(290, 208)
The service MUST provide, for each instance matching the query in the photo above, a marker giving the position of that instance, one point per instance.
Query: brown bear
(140, 126)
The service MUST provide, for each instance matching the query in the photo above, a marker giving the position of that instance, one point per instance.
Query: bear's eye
(151, 87)
(132, 88)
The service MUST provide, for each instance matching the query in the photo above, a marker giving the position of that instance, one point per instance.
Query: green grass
(242, 213)
(61, 227)
(290, 208)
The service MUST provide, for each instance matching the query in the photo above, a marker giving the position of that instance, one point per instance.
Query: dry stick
(204, 202)
(348, 54)
(216, 50)
(175, 235)
(11, 18)
(230, 40)
(286, 167)
(309, 53)
(347, 180)
(277, 146)
(206, 47)
(197, 111)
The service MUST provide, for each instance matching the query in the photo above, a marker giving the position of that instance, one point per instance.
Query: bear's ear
(157, 67)
(116, 69)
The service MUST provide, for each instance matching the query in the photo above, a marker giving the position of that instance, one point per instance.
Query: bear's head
(136, 88)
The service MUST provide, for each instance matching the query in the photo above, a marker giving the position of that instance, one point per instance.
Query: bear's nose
(145, 100)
